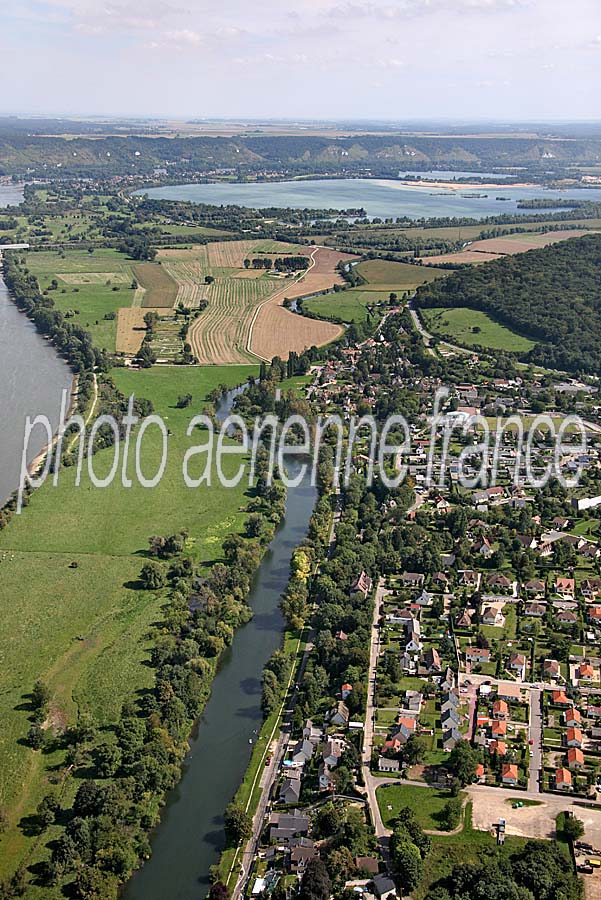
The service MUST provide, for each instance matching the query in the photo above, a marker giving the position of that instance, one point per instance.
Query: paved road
(535, 732)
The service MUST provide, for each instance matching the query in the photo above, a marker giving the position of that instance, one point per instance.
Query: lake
(379, 197)
(11, 194)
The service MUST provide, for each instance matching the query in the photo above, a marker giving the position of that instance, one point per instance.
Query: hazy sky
(512, 59)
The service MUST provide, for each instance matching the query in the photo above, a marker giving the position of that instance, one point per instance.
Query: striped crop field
(189, 277)
(220, 333)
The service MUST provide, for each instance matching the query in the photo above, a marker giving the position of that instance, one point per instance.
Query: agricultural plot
(510, 244)
(345, 306)
(92, 289)
(107, 278)
(471, 327)
(130, 330)
(385, 272)
(189, 278)
(220, 333)
(161, 289)
(275, 331)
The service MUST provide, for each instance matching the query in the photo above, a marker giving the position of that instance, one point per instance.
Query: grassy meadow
(83, 628)
(347, 306)
(458, 324)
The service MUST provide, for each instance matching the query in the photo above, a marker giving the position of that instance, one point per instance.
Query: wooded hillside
(552, 295)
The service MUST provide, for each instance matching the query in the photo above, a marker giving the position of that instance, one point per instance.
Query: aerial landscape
(300, 457)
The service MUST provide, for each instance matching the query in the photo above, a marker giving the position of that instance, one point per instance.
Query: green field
(403, 275)
(85, 293)
(425, 802)
(458, 324)
(346, 306)
(84, 629)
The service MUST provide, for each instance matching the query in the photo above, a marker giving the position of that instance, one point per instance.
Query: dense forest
(552, 295)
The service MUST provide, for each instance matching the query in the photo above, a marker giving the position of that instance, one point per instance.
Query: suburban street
(535, 731)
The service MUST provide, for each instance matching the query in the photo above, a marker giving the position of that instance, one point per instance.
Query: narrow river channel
(190, 836)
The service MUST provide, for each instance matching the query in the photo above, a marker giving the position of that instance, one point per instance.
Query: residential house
(573, 737)
(450, 738)
(563, 779)
(290, 789)
(302, 752)
(575, 758)
(567, 617)
(424, 599)
(450, 718)
(440, 580)
(345, 690)
(331, 752)
(469, 578)
(300, 857)
(559, 698)
(412, 579)
(500, 710)
(340, 714)
(311, 733)
(431, 660)
(388, 765)
(492, 615)
(565, 587)
(368, 865)
(509, 774)
(585, 672)
(477, 654)
(482, 547)
(534, 588)
(593, 615)
(551, 669)
(591, 588)
(362, 584)
(499, 747)
(573, 719)
(285, 826)
(535, 610)
(464, 620)
(517, 663)
(498, 581)
(448, 681)
(498, 729)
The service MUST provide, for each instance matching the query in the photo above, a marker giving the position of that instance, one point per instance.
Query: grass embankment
(84, 630)
(471, 328)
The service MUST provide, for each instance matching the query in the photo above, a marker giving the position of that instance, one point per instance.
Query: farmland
(244, 318)
(160, 288)
(276, 331)
(492, 248)
(471, 328)
(346, 306)
(390, 274)
(70, 564)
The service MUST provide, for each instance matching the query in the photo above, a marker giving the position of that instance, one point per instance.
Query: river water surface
(190, 836)
(32, 379)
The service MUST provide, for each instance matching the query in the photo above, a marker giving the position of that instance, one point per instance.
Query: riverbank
(189, 839)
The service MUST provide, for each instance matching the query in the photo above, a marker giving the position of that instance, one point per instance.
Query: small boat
(250, 740)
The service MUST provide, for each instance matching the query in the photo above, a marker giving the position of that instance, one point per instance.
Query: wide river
(379, 197)
(32, 378)
(190, 836)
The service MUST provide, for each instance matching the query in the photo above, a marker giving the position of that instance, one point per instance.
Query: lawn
(83, 629)
(472, 327)
(425, 802)
(344, 306)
